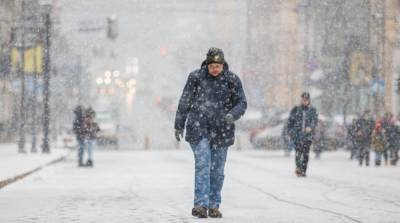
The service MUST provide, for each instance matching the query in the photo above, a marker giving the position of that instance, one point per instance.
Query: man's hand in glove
(178, 134)
(229, 118)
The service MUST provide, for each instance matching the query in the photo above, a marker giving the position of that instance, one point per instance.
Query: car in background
(108, 135)
(253, 118)
(270, 136)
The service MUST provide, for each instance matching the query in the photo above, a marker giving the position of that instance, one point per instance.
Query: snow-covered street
(157, 186)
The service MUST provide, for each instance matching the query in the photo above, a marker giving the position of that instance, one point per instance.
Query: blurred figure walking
(78, 129)
(302, 122)
(392, 134)
(379, 144)
(351, 140)
(363, 131)
(91, 128)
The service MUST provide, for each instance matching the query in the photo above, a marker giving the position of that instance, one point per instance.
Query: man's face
(305, 101)
(215, 69)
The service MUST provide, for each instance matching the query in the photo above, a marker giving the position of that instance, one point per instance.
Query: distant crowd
(381, 134)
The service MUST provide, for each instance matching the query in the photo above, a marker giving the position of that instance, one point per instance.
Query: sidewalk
(14, 165)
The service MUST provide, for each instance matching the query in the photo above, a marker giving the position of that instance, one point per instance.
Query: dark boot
(89, 163)
(214, 213)
(200, 212)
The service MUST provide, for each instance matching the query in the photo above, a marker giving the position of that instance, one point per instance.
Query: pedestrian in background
(363, 131)
(78, 129)
(351, 140)
(91, 128)
(302, 122)
(392, 134)
(379, 144)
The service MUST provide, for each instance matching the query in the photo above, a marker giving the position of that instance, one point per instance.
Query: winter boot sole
(199, 212)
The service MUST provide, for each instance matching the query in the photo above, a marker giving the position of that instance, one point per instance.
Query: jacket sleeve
(185, 102)
(239, 100)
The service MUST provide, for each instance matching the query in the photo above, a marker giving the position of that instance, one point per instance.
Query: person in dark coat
(90, 130)
(351, 138)
(392, 134)
(319, 139)
(78, 129)
(212, 100)
(363, 136)
(302, 122)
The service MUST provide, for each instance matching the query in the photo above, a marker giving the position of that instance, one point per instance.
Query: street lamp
(47, 7)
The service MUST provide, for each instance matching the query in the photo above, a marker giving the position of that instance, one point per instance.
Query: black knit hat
(215, 55)
(305, 95)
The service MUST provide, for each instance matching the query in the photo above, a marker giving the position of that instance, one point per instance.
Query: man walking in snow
(392, 133)
(78, 129)
(302, 122)
(212, 100)
(363, 131)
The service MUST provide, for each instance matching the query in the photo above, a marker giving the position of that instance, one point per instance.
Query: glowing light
(99, 81)
(107, 74)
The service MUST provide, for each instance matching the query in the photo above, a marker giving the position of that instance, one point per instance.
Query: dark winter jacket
(392, 133)
(295, 123)
(351, 132)
(363, 130)
(204, 104)
(78, 125)
(91, 129)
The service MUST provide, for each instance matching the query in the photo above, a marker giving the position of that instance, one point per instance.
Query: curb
(6, 182)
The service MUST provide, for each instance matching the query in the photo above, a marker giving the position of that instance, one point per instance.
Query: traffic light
(112, 27)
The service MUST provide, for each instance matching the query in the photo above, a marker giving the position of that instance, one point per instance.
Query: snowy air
(235, 111)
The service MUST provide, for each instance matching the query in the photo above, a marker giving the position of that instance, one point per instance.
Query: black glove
(178, 134)
(229, 118)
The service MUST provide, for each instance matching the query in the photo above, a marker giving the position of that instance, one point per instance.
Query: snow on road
(157, 186)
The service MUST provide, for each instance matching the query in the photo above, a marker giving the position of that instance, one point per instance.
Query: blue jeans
(81, 147)
(89, 144)
(209, 174)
